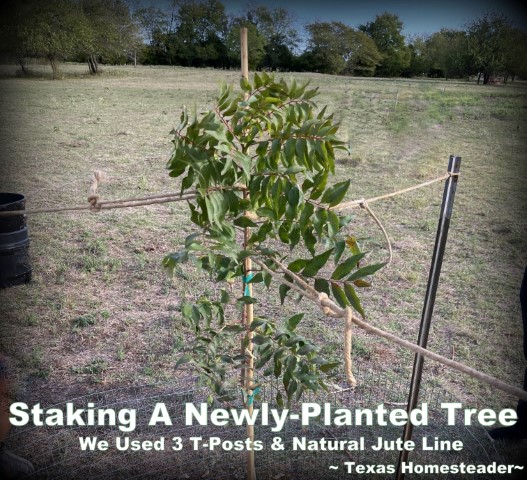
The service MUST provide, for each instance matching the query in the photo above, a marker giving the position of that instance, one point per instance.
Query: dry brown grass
(107, 266)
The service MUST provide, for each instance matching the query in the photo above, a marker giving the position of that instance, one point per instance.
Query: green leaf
(293, 197)
(294, 236)
(264, 358)
(339, 295)
(290, 363)
(178, 257)
(282, 290)
(316, 263)
(187, 181)
(365, 271)
(346, 267)
(305, 349)
(320, 220)
(245, 85)
(292, 323)
(261, 339)
(322, 286)
(225, 297)
(266, 212)
(257, 322)
(267, 279)
(351, 242)
(305, 216)
(326, 367)
(310, 240)
(283, 232)
(244, 222)
(246, 300)
(353, 298)
(291, 389)
(294, 340)
(182, 360)
(297, 265)
(334, 224)
(277, 367)
(189, 240)
(319, 183)
(362, 283)
(256, 278)
(339, 250)
(233, 329)
(293, 170)
(334, 195)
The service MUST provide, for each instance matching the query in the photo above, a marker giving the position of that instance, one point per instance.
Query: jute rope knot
(93, 199)
(326, 309)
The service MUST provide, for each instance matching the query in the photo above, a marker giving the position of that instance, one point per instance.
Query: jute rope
(378, 222)
(330, 308)
(348, 317)
(359, 202)
(95, 204)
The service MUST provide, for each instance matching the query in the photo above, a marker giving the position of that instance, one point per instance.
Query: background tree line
(199, 33)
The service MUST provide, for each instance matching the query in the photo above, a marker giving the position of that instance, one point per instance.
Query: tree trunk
(22, 66)
(479, 77)
(54, 66)
(486, 78)
(92, 64)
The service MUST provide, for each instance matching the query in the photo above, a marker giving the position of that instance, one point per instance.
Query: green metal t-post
(428, 307)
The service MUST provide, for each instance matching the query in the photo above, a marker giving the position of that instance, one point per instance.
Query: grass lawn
(101, 313)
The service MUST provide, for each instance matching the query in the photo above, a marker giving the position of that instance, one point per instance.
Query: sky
(418, 17)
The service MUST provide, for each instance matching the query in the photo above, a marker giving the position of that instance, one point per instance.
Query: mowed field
(100, 311)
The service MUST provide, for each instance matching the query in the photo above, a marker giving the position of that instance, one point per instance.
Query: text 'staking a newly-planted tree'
(258, 166)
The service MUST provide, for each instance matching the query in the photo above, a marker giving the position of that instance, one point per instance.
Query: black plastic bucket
(15, 267)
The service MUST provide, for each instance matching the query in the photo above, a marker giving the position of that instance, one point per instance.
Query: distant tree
(447, 53)
(277, 56)
(55, 30)
(153, 24)
(515, 61)
(385, 31)
(280, 37)
(14, 45)
(198, 39)
(151, 21)
(324, 53)
(336, 48)
(114, 32)
(275, 25)
(69, 29)
(487, 44)
(419, 61)
(365, 57)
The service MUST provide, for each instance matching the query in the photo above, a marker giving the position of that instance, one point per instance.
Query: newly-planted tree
(257, 167)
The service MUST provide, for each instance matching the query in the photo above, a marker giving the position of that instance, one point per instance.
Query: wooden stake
(247, 315)
(244, 52)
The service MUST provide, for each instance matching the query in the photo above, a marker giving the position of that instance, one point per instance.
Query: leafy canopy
(261, 159)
